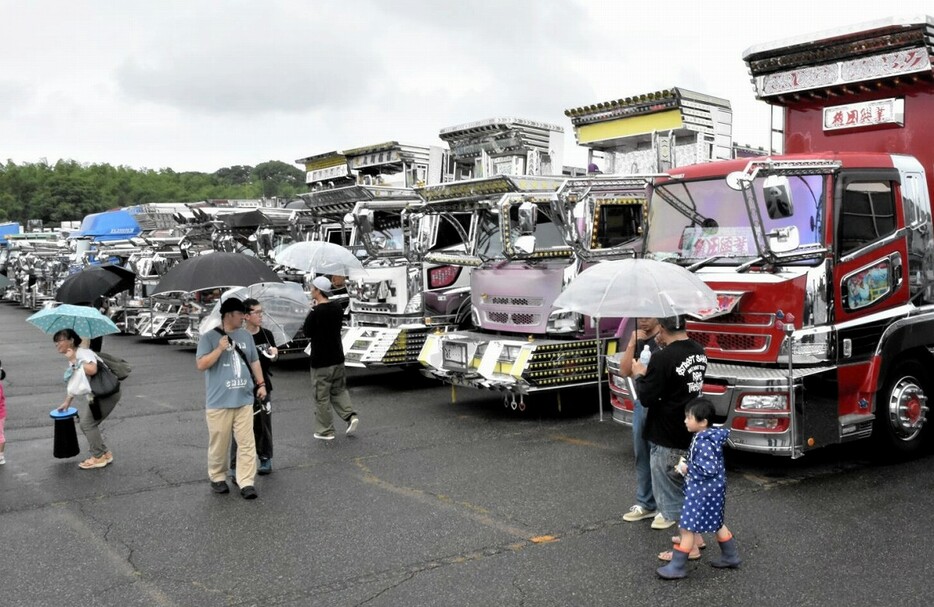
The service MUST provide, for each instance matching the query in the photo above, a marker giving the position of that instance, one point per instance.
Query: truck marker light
(761, 424)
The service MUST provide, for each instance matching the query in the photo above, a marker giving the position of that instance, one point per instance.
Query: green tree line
(69, 190)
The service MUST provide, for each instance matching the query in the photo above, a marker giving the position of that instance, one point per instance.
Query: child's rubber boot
(676, 568)
(729, 556)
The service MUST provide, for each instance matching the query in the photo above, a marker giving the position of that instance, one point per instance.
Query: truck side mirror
(777, 194)
(422, 242)
(364, 220)
(528, 214)
(582, 221)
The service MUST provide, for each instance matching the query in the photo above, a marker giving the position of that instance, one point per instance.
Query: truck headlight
(565, 321)
(764, 402)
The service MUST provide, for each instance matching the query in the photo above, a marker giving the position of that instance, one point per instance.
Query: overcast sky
(198, 85)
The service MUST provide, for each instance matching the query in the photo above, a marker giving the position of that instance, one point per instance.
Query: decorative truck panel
(516, 298)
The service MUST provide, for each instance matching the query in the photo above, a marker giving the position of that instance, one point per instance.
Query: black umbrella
(86, 286)
(215, 271)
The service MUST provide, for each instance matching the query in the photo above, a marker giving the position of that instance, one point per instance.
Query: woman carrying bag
(92, 410)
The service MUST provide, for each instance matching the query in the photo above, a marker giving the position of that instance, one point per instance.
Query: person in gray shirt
(229, 388)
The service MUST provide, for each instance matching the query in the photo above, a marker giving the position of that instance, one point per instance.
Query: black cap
(232, 304)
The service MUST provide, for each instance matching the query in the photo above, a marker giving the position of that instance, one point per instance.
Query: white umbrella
(319, 257)
(285, 306)
(635, 288)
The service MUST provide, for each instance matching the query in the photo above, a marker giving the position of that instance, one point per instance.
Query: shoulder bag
(104, 382)
(259, 405)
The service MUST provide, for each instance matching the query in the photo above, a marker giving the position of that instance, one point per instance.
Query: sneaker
(109, 456)
(265, 467)
(324, 436)
(638, 513)
(93, 462)
(248, 493)
(660, 522)
(353, 425)
(219, 487)
(2, 459)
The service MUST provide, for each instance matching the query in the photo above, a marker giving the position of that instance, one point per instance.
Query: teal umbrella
(87, 322)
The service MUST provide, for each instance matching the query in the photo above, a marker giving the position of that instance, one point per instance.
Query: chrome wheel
(907, 409)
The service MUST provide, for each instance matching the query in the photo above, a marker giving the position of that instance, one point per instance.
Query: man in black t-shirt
(262, 419)
(328, 376)
(673, 377)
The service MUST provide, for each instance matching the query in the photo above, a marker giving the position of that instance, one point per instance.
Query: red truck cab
(822, 257)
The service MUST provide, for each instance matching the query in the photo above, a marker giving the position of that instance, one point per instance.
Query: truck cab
(521, 262)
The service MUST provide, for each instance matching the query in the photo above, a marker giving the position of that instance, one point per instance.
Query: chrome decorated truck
(399, 297)
(822, 260)
(521, 262)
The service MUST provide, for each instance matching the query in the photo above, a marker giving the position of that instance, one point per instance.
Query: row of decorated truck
(821, 256)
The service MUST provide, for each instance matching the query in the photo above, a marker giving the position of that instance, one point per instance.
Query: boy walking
(704, 492)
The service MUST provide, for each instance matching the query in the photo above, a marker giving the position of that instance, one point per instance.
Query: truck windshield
(697, 220)
(387, 236)
(490, 238)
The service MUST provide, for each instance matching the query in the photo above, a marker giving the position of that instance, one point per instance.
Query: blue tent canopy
(109, 225)
(8, 228)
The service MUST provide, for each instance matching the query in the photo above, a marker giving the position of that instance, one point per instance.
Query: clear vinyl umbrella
(319, 257)
(285, 306)
(635, 288)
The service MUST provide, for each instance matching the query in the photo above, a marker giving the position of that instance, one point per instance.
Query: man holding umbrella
(229, 386)
(673, 377)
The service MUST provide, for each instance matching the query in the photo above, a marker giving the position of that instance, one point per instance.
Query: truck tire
(901, 427)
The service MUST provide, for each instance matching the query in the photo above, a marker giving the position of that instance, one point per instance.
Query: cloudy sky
(199, 85)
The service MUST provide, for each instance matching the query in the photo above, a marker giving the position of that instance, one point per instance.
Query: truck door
(870, 249)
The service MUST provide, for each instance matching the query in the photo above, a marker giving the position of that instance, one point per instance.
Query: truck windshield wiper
(703, 262)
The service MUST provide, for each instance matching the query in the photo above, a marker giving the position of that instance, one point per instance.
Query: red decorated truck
(823, 256)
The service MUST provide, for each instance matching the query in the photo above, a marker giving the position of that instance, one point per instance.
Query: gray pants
(90, 426)
(330, 386)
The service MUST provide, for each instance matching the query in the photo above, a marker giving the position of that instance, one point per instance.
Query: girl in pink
(2, 417)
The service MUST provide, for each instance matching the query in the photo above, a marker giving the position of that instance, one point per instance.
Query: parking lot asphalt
(434, 502)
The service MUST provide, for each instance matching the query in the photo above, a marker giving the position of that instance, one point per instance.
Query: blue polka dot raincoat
(705, 483)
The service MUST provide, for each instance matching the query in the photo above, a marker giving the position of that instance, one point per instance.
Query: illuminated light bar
(459, 260)
(487, 187)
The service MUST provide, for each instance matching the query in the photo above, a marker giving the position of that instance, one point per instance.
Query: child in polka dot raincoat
(704, 492)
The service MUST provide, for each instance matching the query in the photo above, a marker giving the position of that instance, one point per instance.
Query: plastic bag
(78, 384)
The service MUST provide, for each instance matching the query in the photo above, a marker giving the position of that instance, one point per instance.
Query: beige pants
(221, 423)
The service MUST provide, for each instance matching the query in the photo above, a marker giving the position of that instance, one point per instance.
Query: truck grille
(727, 342)
(522, 319)
(516, 301)
(753, 319)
